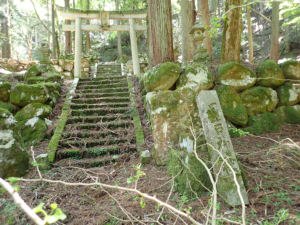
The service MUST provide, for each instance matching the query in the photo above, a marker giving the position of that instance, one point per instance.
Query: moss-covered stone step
(100, 111)
(103, 78)
(100, 86)
(94, 152)
(106, 81)
(101, 125)
(101, 100)
(104, 90)
(94, 119)
(104, 105)
(100, 95)
(90, 144)
(118, 132)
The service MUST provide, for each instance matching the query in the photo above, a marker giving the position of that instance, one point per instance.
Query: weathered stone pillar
(218, 139)
(134, 48)
(78, 46)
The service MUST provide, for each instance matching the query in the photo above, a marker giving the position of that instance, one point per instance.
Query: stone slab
(217, 137)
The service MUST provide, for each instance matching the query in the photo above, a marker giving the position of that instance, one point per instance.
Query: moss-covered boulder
(291, 69)
(288, 114)
(288, 94)
(14, 159)
(198, 77)
(232, 105)
(236, 75)
(9, 107)
(259, 100)
(161, 77)
(189, 173)
(262, 123)
(172, 113)
(54, 78)
(33, 71)
(33, 131)
(24, 94)
(5, 88)
(32, 110)
(35, 80)
(269, 74)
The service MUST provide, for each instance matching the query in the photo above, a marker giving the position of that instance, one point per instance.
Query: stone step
(95, 152)
(102, 95)
(103, 78)
(100, 105)
(100, 111)
(101, 82)
(93, 143)
(100, 125)
(95, 119)
(118, 132)
(100, 100)
(100, 86)
(104, 90)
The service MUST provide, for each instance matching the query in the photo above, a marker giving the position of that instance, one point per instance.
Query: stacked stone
(14, 65)
(66, 68)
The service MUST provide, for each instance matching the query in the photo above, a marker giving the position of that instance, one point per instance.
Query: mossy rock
(262, 123)
(32, 110)
(198, 77)
(161, 77)
(85, 75)
(269, 74)
(54, 78)
(291, 69)
(5, 88)
(232, 105)
(24, 94)
(288, 94)
(33, 71)
(259, 100)
(52, 87)
(171, 113)
(189, 172)
(288, 114)
(35, 80)
(236, 75)
(10, 107)
(14, 158)
(33, 131)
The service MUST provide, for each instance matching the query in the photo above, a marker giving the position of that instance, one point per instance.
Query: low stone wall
(14, 65)
(66, 68)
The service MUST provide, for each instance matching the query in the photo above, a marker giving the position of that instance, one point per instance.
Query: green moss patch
(10, 107)
(5, 88)
(232, 105)
(35, 80)
(291, 69)
(33, 131)
(288, 94)
(288, 114)
(262, 123)
(269, 74)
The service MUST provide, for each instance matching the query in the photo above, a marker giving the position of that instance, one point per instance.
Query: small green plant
(55, 214)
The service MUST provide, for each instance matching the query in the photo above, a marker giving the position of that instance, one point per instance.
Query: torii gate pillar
(134, 48)
(78, 50)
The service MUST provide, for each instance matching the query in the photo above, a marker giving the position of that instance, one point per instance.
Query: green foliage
(55, 214)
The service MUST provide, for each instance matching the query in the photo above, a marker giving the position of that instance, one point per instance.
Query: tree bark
(53, 31)
(206, 22)
(275, 32)
(231, 42)
(28, 39)
(160, 34)
(68, 46)
(187, 22)
(250, 40)
(5, 31)
(88, 40)
(119, 33)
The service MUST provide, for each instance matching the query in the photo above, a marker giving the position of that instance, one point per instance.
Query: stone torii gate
(104, 17)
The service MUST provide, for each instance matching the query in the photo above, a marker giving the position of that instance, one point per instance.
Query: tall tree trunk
(231, 43)
(5, 31)
(88, 40)
(275, 32)
(160, 34)
(250, 40)
(187, 22)
(119, 33)
(206, 22)
(68, 47)
(29, 38)
(53, 31)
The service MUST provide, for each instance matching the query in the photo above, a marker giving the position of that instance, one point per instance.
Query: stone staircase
(99, 129)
